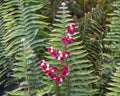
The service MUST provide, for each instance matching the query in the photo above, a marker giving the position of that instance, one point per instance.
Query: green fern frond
(21, 21)
(5, 62)
(115, 84)
(25, 71)
(112, 37)
(22, 69)
(112, 44)
(92, 34)
(92, 31)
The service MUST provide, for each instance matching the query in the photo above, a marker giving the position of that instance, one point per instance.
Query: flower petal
(50, 49)
(60, 79)
(65, 71)
(71, 41)
(42, 62)
(66, 54)
(45, 67)
(73, 26)
(70, 30)
(53, 78)
(54, 53)
(53, 70)
(64, 40)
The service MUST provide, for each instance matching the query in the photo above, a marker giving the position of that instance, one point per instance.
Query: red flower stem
(64, 50)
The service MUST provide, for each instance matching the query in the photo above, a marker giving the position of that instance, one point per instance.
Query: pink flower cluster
(68, 39)
(53, 72)
(59, 55)
(58, 74)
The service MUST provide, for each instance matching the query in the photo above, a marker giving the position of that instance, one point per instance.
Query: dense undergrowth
(28, 28)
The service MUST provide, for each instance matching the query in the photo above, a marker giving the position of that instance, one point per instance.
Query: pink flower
(65, 71)
(70, 30)
(46, 73)
(57, 79)
(64, 40)
(73, 26)
(54, 54)
(42, 62)
(50, 49)
(66, 54)
(67, 40)
(60, 79)
(43, 65)
(53, 70)
(53, 78)
(71, 41)
(60, 58)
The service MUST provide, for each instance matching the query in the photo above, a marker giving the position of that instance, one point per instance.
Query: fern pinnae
(21, 21)
(112, 44)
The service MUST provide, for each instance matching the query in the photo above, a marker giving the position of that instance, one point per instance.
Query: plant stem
(64, 50)
(26, 68)
(57, 89)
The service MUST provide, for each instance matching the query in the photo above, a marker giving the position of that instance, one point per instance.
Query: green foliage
(44, 91)
(112, 37)
(92, 31)
(115, 84)
(18, 19)
(5, 62)
(92, 34)
(80, 80)
(22, 19)
(112, 44)
(24, 71)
